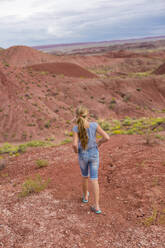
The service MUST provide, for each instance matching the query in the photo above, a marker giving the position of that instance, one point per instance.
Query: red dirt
(67, 69)
(132, 183)
(160, 70)
(37, 105)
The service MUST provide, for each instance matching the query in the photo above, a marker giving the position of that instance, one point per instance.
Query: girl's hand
(103, 134)
(75, 142)
(75, 149)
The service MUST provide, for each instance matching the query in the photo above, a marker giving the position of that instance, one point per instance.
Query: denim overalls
(89, 158)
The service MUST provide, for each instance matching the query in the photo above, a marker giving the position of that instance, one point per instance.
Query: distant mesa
(160, 70)
(63, 68)
(121, 54)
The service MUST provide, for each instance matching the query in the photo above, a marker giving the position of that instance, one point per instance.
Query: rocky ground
(132, 187)
(39, 93)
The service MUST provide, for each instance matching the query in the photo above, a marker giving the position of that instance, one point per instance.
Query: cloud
(37, 22)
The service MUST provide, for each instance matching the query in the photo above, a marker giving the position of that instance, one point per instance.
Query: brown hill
(160, 70)
(37, 105)
(67, 69)
(24, 56)
(40, 102)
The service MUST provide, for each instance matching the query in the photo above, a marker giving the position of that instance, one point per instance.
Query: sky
(40, 22)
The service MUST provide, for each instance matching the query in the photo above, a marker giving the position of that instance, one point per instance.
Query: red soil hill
(67, 69)
(24, 56)
(160, 70)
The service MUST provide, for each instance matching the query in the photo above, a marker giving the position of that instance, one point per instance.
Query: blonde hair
(82, 113)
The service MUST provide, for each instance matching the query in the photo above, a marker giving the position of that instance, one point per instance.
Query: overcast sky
(42, 22)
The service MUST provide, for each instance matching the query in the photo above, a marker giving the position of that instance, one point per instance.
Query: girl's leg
(95, 188)
(85, 187)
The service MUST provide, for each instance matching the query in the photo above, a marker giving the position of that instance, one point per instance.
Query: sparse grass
(44, 73)
(24, 135)
(102, 70)
(151, 219)
(31, 124)
(33, 186)
(112, 103)
(140, 165)
(65, 141)
(142, 126)
(127, 97)
(13, 149)
(38, 143)
(40, 163)
(4, 174)
(140, 74)
(105, 125)
(6, 64)
(161, 219)
(158, 136)
(155, 181)
(68, 133)
(157, 217)
(50, 139)
(47, 124)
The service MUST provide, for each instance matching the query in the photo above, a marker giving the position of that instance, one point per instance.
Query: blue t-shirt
(91, 132)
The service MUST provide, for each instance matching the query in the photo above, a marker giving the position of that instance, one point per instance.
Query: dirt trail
(131, 186)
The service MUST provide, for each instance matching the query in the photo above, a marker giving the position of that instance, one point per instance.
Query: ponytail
(82, 133)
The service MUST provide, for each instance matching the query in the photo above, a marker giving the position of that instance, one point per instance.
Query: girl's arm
(103, 134)
(75, 142)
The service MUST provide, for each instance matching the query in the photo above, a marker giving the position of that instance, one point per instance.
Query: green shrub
(65, 141)
(44, 73)
(8, 148)
(50, 139)
(41, 163)
(112, 103)
(105, 125)
(127, 121)
(68, 133)
(118, 132)
(126, 98)
(37, 143)
(13, 149)
(158, 136)
(22, 148)
(33, 186)
(47, 124)
(151, 219)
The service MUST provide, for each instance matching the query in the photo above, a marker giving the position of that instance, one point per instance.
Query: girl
(84, 143)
